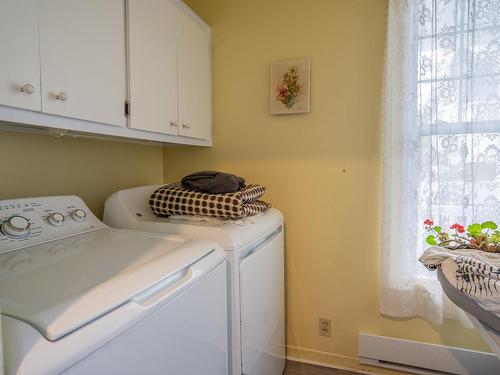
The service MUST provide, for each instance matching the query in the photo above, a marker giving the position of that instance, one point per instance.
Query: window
(441, 154)
(458, 110)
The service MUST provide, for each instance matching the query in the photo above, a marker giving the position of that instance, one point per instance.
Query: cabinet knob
(174, 124)
(62, 96)
(27, 89)
(186, 126)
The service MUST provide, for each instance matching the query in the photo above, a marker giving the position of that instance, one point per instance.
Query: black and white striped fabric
(477, 278)
(473, 272)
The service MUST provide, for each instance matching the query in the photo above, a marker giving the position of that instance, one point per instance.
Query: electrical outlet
(325, 327)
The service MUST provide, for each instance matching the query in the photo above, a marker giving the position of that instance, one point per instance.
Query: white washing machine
(78, 297)
(255, 278)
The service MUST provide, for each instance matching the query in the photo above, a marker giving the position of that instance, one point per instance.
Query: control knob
(56, 218)
(78, 215)
(16, 227)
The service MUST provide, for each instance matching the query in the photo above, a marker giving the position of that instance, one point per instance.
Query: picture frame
(290, 89)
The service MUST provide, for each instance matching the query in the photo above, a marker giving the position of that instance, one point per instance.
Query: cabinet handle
(186, 126)
(27, 89)
(62, 96)
(174, 124)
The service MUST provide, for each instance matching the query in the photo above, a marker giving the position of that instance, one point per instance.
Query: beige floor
(296, 368)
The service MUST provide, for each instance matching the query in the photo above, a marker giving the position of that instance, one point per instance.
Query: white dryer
(255, 254)
(78, 297)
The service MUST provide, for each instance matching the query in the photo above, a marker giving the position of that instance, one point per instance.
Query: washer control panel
(32, 221)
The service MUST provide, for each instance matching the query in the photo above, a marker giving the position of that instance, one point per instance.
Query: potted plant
(484, 237)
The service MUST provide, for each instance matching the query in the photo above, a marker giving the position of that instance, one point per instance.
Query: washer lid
(60, 286)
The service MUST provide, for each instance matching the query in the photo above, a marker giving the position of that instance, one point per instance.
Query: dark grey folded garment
(213, 182)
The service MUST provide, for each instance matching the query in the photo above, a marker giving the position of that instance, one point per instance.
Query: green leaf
(495, 236)
(438, 229)
(431, 240)
(489, 225)
(474, 229)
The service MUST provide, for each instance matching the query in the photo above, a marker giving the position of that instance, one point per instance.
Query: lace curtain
(441, 138)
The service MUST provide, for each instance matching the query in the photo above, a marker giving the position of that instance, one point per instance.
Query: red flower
(459, 228)
(429, 222)
(281, 91)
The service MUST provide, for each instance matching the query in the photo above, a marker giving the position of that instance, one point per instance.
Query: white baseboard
(335, 361)
(328, 365)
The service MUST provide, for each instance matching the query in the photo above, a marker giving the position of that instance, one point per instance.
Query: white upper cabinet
(195, 96)
(152, 30)
(19, 56)
(170, 70)
(82, 49)
(79, 66)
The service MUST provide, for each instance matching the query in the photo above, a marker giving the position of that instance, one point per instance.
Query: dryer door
(262, 309)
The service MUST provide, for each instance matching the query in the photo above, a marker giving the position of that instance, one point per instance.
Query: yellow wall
(332, 217)
(37, 165)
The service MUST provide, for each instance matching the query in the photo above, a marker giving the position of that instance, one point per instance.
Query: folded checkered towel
(173, 199)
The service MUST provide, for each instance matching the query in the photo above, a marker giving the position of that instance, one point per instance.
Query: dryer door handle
(259, 245)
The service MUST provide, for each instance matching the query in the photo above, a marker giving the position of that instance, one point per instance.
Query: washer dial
(56, 218)
(16, 227)
(78, 215)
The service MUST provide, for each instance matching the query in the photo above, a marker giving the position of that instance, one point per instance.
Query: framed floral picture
(290, 86)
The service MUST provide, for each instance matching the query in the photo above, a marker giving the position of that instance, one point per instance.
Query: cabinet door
(82, 49)
(152, 35)
(19, 61)
(195, 100)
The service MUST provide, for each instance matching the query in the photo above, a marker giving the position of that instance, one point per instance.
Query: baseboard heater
(423, 358)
